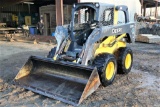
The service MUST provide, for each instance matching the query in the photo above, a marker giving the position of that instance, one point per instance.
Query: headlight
(74, 5)
(97, 5)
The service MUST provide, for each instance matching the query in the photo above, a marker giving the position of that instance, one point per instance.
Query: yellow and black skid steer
(89, 52)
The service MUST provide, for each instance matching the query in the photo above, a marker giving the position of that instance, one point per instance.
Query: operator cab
(84, 17)
(84, 21)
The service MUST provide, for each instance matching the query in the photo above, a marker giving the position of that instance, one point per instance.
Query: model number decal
(118, 30)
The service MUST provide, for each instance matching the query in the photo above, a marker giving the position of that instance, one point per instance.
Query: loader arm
(111, 44)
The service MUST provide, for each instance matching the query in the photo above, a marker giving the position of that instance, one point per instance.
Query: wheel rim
(110, 70)
(128, 61)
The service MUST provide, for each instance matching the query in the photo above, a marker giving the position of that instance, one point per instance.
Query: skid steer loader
(90, 51)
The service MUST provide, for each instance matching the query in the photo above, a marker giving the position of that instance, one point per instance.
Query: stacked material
(2, 24)
(148, 38)
(147, 28)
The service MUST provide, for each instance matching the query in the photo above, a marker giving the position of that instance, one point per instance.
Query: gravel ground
(140, 88)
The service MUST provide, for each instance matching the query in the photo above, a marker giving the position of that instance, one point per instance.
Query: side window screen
(121, 17)
(108, 17)
(83, 15)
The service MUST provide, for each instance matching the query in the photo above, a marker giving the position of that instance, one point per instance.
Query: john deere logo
(118, 30)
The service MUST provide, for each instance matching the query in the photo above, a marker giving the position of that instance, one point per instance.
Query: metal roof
(151, 3)
(5, 3)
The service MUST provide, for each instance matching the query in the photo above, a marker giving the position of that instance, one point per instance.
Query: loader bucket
(68, 82)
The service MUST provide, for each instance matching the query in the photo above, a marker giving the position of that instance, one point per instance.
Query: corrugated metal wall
(14, 8)
(18, 8)
(6, 12)
(5, 17)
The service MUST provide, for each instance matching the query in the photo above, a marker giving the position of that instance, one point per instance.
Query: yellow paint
(128, 61)
(67, 46)
(110, 69)
(28, 20)
(115, 16)
(111, 44)
(55, 57)
(74, 61)
(15, 18)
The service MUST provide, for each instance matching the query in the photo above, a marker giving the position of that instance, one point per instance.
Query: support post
(141, 7)
(156, 9)
(59, 12)
(144, 13)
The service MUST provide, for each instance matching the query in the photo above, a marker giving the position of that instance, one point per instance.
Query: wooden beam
(59, 12)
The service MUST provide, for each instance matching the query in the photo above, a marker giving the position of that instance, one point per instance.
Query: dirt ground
(140, 88)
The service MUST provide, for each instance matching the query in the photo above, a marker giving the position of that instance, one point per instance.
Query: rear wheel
(51, 53)
(107, 67)
(125, 60)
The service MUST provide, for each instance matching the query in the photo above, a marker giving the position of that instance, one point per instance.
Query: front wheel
(107, 67)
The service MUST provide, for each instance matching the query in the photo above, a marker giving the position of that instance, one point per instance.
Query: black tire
(125, 62)
(51, 53)
(102, 62)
